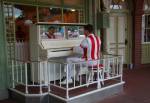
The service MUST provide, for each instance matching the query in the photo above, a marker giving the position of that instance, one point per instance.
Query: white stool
(92, 71)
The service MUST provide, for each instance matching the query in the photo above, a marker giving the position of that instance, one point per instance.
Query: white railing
(22, 50)
(50, 74)
(110, 68)
(29, 75)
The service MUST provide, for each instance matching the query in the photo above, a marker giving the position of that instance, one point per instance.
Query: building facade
(126, 33)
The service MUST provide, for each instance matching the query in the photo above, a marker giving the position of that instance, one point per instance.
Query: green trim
(117, 41)
(145, 53)
(3, 57)
(87, 11)
(129, 38)
(119, 11)
(73, 6)
(45, 4)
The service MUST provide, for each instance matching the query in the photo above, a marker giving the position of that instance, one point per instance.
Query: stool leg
(89, 76)
(98, 79)
(101, 77)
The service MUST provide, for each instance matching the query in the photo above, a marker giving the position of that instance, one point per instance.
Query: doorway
(117, 35)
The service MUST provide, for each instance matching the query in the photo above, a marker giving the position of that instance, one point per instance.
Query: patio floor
(136, 88)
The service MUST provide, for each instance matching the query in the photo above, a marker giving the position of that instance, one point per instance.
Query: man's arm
(84, 43)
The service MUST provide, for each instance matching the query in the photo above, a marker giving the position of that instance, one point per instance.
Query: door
(117, 35)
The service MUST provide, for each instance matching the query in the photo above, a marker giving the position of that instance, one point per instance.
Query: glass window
(48, 14)
(52, 32)
(146, 28)
(61, 31)
(24, 16)
(147, 5)
(74, 31)
(73, 16)
(118, 4)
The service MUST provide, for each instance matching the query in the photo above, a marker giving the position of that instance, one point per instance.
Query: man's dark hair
(51, 27)
(89, 28)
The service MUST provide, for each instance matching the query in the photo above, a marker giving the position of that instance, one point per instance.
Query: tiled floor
(8, 101)
(136, 88)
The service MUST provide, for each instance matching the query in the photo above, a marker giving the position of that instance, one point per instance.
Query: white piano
(42, 49)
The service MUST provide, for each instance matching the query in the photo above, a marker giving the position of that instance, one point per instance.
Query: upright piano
(43, 49)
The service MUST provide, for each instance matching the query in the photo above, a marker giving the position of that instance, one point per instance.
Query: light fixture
(72, 10)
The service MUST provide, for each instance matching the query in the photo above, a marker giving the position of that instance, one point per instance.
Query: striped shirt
(91, 47)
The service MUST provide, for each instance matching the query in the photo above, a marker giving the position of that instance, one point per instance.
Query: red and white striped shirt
(91, 47)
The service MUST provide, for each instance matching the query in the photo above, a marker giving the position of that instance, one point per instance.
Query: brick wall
(137, 19)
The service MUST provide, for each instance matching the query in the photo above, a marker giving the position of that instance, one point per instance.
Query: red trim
(85, 53)
(98, 46)
(93, 47)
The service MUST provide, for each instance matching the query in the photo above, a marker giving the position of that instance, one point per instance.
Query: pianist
(91, 52)
(50, 33)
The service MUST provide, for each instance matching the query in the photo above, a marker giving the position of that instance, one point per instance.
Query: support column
(104, 8)
(3, 58)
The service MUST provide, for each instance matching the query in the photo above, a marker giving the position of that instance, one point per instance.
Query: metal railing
(50, 74)
(29, 75)
(111, 69)
(22, 50)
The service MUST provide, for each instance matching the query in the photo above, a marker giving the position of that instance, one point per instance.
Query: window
(146, 22)
(49, 14)
(61, 31)
(146, 28)
(61, 15)
(118, 4)
(72, 16)
(24, 16)
(146, 5)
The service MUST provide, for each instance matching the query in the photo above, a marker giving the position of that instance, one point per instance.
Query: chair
(92, 71)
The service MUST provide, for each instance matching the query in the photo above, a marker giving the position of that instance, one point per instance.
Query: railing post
(80, 79)
(44, 70)
(32, 71)
(54, 73)
(17, 68)
(21, 71)
(74, 74)
(13, 82)
(67, 91)
(104, 67)
(48, 73)
(98, 76)
(60, 75)
(117, 64)
(121, 67)
(26, 79)
(40, 77)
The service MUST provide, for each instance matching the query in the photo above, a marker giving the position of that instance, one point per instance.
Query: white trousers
(71, 66)
(80, 63)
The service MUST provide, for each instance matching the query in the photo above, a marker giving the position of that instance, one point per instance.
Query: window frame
(118, 5)
(144, 23)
